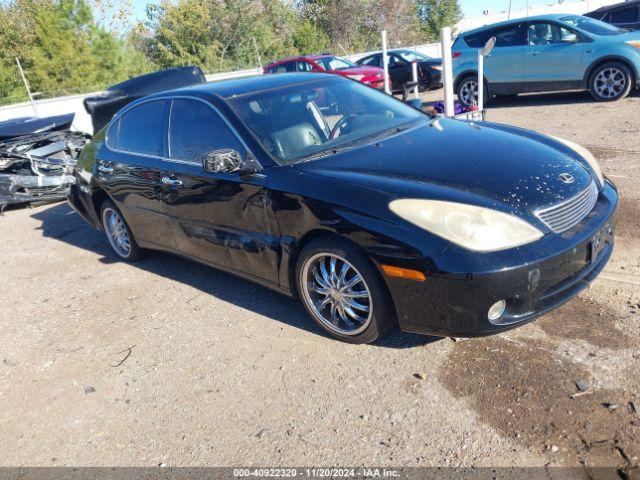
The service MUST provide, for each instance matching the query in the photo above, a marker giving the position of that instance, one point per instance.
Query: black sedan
(401, 71)
(370, 211)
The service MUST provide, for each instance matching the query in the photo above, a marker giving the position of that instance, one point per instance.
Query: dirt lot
(169, 362)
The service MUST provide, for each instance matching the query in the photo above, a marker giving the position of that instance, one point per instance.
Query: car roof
(251, 84)
(606, 8)
(551, 16)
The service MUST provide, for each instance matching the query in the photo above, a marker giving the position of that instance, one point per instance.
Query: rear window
(141, 129)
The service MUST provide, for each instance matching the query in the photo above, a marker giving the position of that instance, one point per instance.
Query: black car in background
(400, 70)
(371, 212)
(623, 15)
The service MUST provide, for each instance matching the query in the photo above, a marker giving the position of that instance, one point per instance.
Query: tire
(611, 81)
(341, 320)
(119, 234)
(464, 91)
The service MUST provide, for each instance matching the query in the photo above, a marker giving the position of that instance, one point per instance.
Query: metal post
(26, 85)
(385, 63)
(414, 73)
(480, 80)
(447, 70)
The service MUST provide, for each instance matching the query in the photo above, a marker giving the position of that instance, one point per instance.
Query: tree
(436, 14)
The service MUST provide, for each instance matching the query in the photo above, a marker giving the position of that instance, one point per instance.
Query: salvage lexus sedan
(370, 211)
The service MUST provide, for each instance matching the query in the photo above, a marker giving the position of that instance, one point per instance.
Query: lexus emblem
(566, 178)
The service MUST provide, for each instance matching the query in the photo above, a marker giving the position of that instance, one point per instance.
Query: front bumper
(533, 279)
(16, 189)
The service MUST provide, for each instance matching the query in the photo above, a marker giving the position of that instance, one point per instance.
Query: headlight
(437, 67)
(356, 77)
(587, 155)
(475, 228)
(634, 43)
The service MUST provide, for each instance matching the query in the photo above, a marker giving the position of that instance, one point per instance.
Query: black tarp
(105, 105)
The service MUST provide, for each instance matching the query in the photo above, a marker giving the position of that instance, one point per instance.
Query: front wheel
(610, 82)
(343, 292)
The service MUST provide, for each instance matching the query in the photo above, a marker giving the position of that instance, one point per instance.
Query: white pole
(480, 80)
(414, 73)
(26, 85)
(385, 62)
(447, 70)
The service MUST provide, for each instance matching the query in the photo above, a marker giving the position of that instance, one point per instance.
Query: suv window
(544, 33)
(196, 129)
(141, 129)
(510, 36)
(625, 15)
(478, 40)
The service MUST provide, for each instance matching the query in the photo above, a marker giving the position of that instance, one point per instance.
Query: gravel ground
(169, 362)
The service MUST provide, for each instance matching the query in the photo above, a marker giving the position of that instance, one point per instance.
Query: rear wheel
(343, 292)
(610, 82)
(468, 91)
(118, 233)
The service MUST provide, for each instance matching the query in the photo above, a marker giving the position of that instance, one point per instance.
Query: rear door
(223, 219)
(399, 71)
(504, 67)
(554, 57)
(129, 170)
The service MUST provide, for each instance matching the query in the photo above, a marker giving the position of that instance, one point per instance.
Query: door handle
(173, 182)
(535, 53)
(105, 169)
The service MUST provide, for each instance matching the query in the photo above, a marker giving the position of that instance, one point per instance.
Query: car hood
(366, 71)
(496, 166)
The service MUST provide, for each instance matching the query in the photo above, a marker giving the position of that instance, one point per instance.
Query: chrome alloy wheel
(336, 294)
(117, 232)
(469, 92)
(610, 82)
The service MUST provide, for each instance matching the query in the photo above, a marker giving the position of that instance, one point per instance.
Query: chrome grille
(563, 216)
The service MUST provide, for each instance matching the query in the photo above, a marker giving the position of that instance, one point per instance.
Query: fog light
(496, 310)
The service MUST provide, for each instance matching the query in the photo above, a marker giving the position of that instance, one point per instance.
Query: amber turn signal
(398, 272)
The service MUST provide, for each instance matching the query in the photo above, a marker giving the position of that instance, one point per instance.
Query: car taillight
(456, 54)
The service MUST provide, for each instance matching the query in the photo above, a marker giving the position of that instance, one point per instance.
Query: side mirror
(225, 160)
(570, 38)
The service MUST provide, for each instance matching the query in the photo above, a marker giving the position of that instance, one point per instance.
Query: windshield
(410, 56)
(590, 25)
(334, 63)
(305, 121)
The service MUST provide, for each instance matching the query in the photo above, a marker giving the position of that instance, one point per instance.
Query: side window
(547, 34)
(395, 61)
(478, 40)
(141, 129)
(303, 66)
(286, 67)
(373, 61)
(511, 36)
(196, 129)
(625, 15)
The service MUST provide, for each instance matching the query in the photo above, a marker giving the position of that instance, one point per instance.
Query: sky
(470, 8)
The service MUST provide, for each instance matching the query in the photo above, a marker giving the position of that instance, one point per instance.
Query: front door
(554, 57)
(223, 219)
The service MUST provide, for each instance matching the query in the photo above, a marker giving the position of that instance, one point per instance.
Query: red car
(372, 76)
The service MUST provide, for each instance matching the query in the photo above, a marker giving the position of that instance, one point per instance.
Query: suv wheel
(468, 92)
(118, 233)
(343, 292)
(610, 82)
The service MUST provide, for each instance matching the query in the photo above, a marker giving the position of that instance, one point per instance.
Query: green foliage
(436, 14)
(63, 49)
